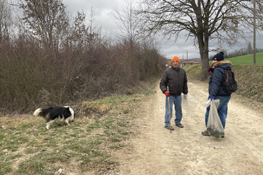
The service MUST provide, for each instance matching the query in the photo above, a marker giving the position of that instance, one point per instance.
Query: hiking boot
(180, 125)
(206, 133)
(168, 127)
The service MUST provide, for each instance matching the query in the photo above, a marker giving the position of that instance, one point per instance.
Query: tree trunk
(203, 48)
(205, 64)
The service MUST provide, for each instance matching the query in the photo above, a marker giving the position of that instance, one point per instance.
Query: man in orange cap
(176, 80)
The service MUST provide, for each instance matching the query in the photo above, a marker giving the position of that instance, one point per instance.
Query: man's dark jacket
(217, 78)
(176, 80)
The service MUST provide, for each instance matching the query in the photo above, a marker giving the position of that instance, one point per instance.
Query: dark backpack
(229, 84)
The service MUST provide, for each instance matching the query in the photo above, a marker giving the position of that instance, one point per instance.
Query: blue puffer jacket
(217, 78)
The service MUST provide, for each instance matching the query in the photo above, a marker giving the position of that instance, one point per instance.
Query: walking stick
(169, 110)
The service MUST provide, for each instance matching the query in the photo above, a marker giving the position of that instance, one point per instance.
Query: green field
(247, 59)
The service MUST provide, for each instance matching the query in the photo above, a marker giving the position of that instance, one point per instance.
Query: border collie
(63, 113)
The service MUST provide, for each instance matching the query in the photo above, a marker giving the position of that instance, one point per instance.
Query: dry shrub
(32, 76)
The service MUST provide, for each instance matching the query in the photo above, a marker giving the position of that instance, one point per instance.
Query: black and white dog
(63, 113)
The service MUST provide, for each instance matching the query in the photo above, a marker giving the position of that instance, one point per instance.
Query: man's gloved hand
(166, 94)
(212, 98)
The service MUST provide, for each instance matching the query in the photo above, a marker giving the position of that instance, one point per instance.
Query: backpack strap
(227, 74)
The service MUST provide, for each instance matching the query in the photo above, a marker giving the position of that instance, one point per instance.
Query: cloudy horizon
(103, 14)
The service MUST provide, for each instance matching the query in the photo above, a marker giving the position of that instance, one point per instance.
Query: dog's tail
(40, 112)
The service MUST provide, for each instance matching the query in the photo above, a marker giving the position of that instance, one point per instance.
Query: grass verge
(84, 146)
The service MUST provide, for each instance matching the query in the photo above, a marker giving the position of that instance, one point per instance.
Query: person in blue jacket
(216, 90)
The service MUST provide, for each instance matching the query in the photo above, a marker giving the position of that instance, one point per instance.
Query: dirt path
(185, 151)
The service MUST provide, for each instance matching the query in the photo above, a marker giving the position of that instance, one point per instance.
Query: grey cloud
(103, 11)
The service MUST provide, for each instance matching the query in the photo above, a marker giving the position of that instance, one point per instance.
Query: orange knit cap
(175, 58)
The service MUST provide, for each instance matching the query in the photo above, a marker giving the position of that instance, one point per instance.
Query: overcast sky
(103, 11)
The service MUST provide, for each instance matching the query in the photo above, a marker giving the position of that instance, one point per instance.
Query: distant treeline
(241, 52)
(236, 53)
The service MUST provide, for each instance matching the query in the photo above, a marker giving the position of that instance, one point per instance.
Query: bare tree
(47, 19)
(82, 35)
(203, 20)
(127, 21)
(5, 20)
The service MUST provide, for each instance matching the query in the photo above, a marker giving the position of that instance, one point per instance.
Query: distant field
(247, 59)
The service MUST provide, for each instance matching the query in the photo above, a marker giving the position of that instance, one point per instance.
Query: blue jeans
(222, 109)
(177, 101)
